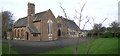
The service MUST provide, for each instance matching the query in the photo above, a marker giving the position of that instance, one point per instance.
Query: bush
(118, 35)
(107, 35)
(89, 34)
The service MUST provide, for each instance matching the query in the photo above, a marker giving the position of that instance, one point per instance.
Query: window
(74, 33)
(14, 32)
(63, 33)
(22, 32)
(35, 35)
(18, 33)
(71, 33)
(67, 32)
(59, 25)
(49, 26)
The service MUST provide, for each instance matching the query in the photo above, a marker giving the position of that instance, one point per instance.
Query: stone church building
(43, 26)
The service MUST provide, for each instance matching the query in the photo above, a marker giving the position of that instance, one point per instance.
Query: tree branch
(65, 14)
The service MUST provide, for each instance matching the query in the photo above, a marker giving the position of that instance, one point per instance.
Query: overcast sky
(98, 9)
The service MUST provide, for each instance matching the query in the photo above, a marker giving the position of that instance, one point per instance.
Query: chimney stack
(31, 13)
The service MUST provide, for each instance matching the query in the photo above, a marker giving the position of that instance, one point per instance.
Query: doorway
(27, 36)
(59, 32)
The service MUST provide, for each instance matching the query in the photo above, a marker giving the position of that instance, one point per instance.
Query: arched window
(14, 32)
(18, 33)
(21, 32)
(49, 26)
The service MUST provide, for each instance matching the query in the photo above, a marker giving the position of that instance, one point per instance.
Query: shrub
(89, 34)
(118, 35)
(107, 35)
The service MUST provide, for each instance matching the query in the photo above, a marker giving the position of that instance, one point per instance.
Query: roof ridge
(42, 11)
(35, 13)
(70, 23)
(23, 21)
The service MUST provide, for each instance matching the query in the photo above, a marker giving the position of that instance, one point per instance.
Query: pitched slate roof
(33, 29)
(39, 16)
(70, 24)
(22, 22)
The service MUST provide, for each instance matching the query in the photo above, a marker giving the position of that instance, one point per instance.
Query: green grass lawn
(98, 46)
(0, 48)
(5, 49)
(101, 46)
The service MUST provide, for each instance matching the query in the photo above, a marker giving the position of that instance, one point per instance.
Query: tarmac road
(34, 47)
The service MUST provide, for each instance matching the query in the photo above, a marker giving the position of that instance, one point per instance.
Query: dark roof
(39, 16)
(23, 21)
(70, 24)
(84, 30)
(33, 29)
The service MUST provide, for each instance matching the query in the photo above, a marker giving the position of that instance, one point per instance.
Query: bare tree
(7, 22)
(97, 28)
(63, 9)
(78, 18)
(93, 26)
(103, 29)
(115, 27)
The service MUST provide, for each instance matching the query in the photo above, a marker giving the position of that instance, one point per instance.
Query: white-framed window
(49, 26)
(50, 29)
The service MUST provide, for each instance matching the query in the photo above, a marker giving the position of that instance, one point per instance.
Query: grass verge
(5, 49)
(98, 46)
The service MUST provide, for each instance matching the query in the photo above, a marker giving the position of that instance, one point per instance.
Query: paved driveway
(33, 47)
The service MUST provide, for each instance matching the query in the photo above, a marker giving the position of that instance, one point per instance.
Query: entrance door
(27, 36)
(59, 33)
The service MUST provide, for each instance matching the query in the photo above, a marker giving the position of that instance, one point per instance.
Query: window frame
(34, 35)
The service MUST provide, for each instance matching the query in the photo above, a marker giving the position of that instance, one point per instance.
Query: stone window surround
(50, 29)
